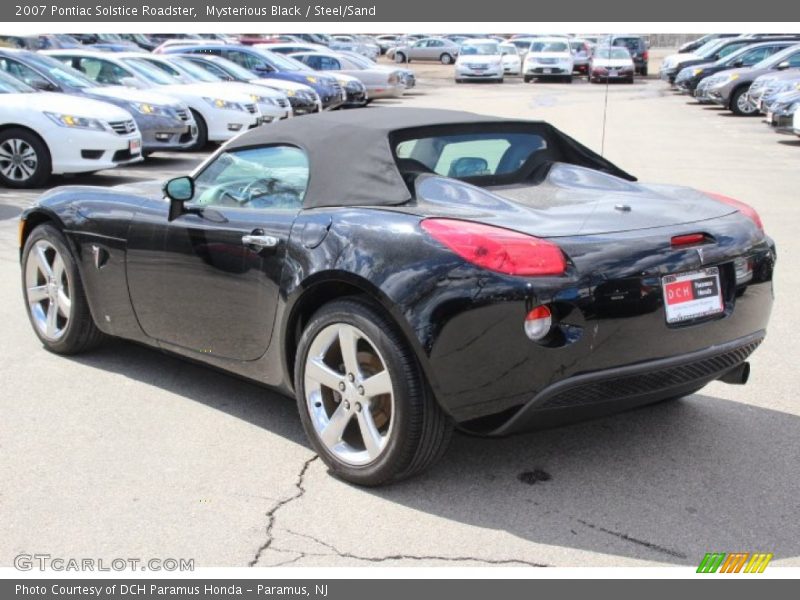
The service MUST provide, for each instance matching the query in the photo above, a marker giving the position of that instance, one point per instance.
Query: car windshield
(709, 48)
(631, 43)
(149, 72)
(546, 46)
(482, 49)
(228, 66)
(283, 63)
(470, 155)
(193, 71)
(776, 59)
(508, 48)
(9, 85)
(361, 61)
(612, 53)
(62, 74)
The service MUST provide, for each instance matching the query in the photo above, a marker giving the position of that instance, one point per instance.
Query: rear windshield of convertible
(469, 155)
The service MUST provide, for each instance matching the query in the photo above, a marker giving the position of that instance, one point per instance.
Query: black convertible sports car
(402, 271)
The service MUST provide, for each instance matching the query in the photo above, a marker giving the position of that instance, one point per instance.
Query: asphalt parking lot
(127, 452)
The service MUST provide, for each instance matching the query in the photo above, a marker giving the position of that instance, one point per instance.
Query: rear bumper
(484, 369)
(612, 390)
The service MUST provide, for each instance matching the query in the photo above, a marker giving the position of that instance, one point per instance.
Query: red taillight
(498, 249)
(747, 210)
(645, 55)
(689, 239)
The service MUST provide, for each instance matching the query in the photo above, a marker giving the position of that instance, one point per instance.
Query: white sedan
(479, 60)
(274, 105)
(43, 133)
(512, 61)
(548, 58)
(219, 114)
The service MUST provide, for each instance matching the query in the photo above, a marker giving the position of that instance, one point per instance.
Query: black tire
(643, 71)
(202, 132)
(446, 59)
(736, 97)
(420, 430)
(527, 78)
(400, 58)
(569, 79)
(80, 332)
(17, 176)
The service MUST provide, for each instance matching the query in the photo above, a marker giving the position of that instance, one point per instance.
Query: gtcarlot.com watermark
(48, 562)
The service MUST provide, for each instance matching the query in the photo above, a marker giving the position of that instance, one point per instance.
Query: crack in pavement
(627, 538)
(378, 559)
(270, 514)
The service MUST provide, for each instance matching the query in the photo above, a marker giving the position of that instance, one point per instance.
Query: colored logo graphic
(734, 562)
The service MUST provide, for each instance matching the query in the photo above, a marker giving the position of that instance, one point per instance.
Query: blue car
(270, 65)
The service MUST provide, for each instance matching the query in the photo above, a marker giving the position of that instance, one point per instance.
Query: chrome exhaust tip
(738, 375)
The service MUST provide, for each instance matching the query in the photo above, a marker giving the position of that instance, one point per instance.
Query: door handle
(260, 241)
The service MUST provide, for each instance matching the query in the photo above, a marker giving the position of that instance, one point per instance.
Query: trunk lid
(570, 201)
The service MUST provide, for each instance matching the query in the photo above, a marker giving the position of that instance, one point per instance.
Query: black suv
(637, 46)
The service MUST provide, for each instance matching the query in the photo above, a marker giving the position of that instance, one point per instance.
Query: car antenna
(605, 115)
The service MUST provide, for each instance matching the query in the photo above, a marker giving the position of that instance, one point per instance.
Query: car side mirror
(179, 191)
(737, 63)
(784, 65)
(42, 85)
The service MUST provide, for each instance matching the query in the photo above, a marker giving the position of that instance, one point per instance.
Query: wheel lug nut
(361, 390)
(341, 386)
(346, 405)
(358, 406)
(351, 377)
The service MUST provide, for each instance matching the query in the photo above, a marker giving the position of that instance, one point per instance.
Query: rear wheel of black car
(24, 159)
(739, 104)
(202, 132)
(53, 293)
(363, 399)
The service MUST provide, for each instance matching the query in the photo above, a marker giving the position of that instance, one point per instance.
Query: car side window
(793, 60)
(102, 71)
(23, 73)
(312, 61)
(330, 64)
(268, 177)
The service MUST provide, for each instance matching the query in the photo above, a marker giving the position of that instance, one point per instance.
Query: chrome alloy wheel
(48, 290)
(349, 394)
(743, 104)
(18, 159)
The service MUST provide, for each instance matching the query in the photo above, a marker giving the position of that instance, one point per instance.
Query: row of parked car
(530, 56)
(750, 75)
(79, 106)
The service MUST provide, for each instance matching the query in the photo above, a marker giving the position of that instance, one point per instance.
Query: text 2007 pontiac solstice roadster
(405, 271)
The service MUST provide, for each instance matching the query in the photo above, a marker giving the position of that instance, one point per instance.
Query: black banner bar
(463, 11)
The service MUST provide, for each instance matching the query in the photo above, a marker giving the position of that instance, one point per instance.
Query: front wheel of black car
(362, 397)
(53, 292)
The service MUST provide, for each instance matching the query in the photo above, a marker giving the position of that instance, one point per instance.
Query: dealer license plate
(135, 146)
(692, 295)
(612, 73)
(545, 71)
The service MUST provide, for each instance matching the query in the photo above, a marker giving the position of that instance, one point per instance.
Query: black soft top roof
(350, 152)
